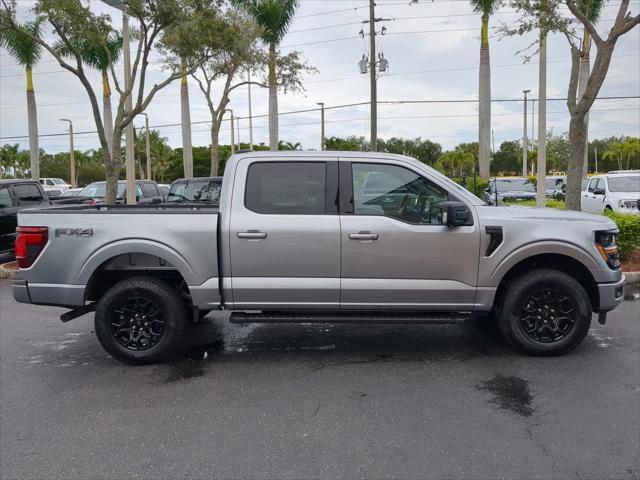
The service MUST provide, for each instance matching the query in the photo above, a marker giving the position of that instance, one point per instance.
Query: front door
(593, 198)
(285, 235)
(396, 252)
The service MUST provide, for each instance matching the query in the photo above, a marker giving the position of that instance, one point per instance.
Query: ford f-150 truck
(321, 237)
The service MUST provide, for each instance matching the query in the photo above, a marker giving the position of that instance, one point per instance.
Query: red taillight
(29, 243)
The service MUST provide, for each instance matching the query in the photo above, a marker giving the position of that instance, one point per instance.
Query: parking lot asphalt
(317, 401)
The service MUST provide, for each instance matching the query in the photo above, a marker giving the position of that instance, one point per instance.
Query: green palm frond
(591, 8)
(486, 7)
(274, 16)
(94, 53)
(20, 45)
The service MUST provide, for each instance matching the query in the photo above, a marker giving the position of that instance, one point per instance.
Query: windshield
(59, 181)
(98, 190)
(625, 184)
(554, 182)
(512, 184)
(204, 191)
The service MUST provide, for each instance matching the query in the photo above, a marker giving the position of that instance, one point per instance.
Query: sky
(433, 52)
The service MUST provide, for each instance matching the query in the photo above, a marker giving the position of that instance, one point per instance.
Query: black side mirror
(599, 191)
(455, 214)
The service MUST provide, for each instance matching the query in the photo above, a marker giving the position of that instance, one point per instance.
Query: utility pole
(373, 76)
(130, 166)
(238, 128)
(525, 140)
(72, 158)
(148, 144)
(321, 125)
(233, 138)
(542, 117)
(250, 117)
(595, 156)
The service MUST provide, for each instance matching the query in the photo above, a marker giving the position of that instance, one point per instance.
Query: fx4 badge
(74, 232)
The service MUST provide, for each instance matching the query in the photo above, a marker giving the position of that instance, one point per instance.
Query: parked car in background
(16, 195)
(509, 189)
(164, 190)
(71, 192)
(617, 191)
(146, 192)
(196, 190)
(555, 187)
(54, 184)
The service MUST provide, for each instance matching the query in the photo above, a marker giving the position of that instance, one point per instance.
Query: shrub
(629, 237)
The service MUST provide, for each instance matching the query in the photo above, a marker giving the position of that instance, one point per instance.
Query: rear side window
(5, 198)
(27, 194)
(149, 190)
(286, 188)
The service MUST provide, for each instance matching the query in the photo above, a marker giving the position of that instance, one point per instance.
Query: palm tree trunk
(187, 152)
(215, 142)
(273, 100)
(107, 117)
(585, 70)
(32, 116)
(484, 102)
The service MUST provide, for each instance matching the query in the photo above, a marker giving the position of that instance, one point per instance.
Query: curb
(8, 270)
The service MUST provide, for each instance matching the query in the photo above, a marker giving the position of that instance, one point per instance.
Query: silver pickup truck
(321, 237)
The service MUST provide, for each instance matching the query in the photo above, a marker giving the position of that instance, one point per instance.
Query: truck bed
(87, 238)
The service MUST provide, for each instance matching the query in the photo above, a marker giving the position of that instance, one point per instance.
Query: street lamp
(525, 141)
(148, 144)
(126, 54)
(321, 125)
(72, 160)
(233, 139)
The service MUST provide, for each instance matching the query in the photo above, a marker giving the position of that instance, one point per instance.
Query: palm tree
(26, 52)
(282, 145)
(187, 150)
(486, 8)
(592, 9)
(615, 151)
(274, 16)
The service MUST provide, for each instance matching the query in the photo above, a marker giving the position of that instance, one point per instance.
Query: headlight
(608, 248)
(621, 204)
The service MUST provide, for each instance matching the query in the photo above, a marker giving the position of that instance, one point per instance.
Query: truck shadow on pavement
(327, 345)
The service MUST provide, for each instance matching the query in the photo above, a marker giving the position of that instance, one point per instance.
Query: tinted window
(98, 190)
(5, 198)
(396, 192)
(149, 190)
(27, 194)
(514, 184)
(201, 191)
(595, 183)
(585, 182)
(625, 184)
(286, 188)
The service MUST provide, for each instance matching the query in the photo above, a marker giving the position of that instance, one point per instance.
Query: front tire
(544, 312)
(140, 320)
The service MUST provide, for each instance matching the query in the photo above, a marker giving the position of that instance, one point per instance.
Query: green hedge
(629, 238)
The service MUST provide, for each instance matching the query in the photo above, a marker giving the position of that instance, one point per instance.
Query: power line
(334, 107)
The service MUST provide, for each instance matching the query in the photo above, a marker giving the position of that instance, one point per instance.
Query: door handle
(252, 234)
(363, 236)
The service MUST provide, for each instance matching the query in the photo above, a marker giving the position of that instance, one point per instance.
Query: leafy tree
(274, 16)
(349, 144)
(548, 16)
(73, 24)
(557, 152)
(486, 8)
(424, 150)
(456, 163)
(21, 42)
(282, 145)
(508, 159)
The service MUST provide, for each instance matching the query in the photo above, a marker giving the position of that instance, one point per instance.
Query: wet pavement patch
(185, 370)
(509, 393)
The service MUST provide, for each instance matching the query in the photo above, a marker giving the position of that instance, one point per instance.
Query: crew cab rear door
(396, 252)
(285, 234)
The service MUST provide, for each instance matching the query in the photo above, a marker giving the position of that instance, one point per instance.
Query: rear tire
(544, 312)
(140, 320)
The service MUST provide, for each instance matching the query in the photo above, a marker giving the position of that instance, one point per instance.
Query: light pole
(374, 79)
(525, 140)
(542, 115)
(233, 138)
(238, 128)
(72, 159)
(321, 125)
(126, 54)
(148, 144)
(250, 117)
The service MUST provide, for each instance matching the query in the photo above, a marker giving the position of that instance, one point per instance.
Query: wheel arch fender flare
(139, 246)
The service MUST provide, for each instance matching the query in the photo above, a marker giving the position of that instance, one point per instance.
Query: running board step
(348, 317)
